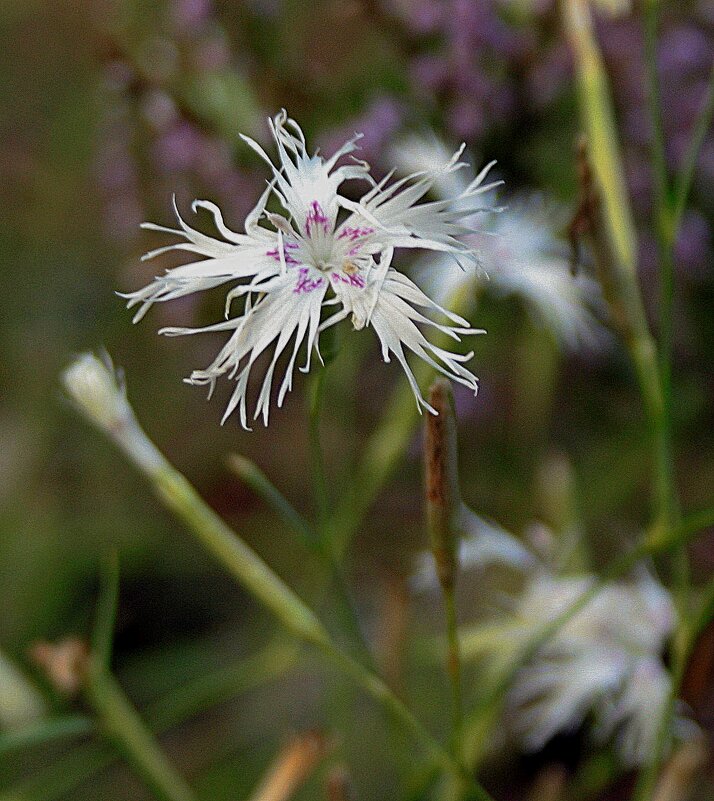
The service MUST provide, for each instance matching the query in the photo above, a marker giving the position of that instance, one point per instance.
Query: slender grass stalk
(683, 181)
(613, 236)
(103, 633)
(453, 656)
(117, 717)
(599, 121)
(110, 411)
(46, 731)
(249, 472)
(258, 481)
(665, 237)
(124, 726)
(669, 208)
(72, 769)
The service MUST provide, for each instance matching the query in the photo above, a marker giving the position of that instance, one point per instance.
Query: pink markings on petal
(287, 246)
(351, 279)
(316, 216)
(353, 234)
(306, 284)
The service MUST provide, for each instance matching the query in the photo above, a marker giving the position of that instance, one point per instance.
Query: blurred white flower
(520, 254)
(605, 661)
(308, 259)
(21, 703)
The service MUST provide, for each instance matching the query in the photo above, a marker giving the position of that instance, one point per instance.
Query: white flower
(606, 660)
(520, 255)
(310, 257)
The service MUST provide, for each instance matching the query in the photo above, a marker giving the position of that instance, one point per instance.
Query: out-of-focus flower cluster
(521, 253)
(485, 66)
(604, 667)
(172, 100)
(479, 70)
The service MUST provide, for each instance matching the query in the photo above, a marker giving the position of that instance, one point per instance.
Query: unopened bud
(98, 391)
(443, 500)
(94, 386)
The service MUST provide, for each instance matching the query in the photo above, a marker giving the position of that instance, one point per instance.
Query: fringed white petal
(284, 313)
(283, 272)
(386, 304)
(242, 256)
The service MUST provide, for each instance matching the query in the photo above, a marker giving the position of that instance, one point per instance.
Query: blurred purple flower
(176, 149)
(378, 124)
(693, 250)
(187, 15)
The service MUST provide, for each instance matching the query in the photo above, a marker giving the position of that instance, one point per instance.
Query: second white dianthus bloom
(287, 270)
(606, 661)
(519, 253)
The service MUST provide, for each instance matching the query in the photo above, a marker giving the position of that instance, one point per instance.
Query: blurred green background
(109, 108)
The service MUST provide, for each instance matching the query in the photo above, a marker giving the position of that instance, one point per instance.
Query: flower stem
(454, 668)
(254, 574)
(685, 177)
(317, 457)
(249, 472)
(315, 540)
(122, 723)
(443, 517)
(599, 122)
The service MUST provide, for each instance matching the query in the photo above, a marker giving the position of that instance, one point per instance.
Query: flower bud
(97, 390)
(443, 500)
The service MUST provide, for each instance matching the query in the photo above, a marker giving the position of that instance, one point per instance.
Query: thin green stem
(375, 687)
(599, 121)
(315, 540)
(666, 231)
(249, 472)
(683, 181)
(317, 457)
(657, 149)
(257, 577)
(665, 235)
(45, 731)
(103, 633)
(125, 727)
(70, 770)
(453, 662)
